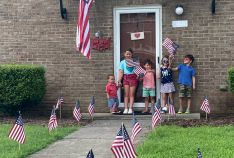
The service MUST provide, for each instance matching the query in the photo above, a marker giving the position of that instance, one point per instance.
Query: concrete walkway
(99, 136)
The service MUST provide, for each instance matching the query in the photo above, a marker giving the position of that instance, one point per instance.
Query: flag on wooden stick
(205, 105)
(83, 31)
(199, 155)
(156, 116)
(136, 127)
(53, 121)
(59, 102)
(91, 106)
(76, 112)
(17, 131)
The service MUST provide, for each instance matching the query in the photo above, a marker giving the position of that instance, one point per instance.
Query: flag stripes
(91, 106)
(156, 118)
(138, 69)
(17, 131)
(170, 46)
(172, 110)
(76, 112)
(136, 128)
(205, 106)
(83, 29)
(53, 121)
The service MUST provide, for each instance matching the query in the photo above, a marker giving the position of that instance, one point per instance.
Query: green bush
(20, 86)
(231, 78)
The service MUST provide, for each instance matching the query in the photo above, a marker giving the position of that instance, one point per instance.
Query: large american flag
(76, 112)
(90, 154)
(53, 121)
(59, 102)
(205, 105)
(172, 110)
(156, 116)
(170, 46)
(138, 69)
(17, 131)
(91, 106)
(136, 127)
(83, 31)
(122, 146)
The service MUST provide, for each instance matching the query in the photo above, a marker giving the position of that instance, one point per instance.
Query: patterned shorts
(167, 88)
(185, 91)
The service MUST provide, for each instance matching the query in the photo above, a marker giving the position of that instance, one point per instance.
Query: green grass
(37, 137)
(179, 142)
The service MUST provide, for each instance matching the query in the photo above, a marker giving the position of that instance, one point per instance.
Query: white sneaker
(130, 111)
(125, 111)
(164, 109)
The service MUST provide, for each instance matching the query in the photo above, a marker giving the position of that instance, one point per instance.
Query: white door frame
(157, 9)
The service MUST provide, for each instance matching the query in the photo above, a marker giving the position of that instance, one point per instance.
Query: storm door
(139, 29)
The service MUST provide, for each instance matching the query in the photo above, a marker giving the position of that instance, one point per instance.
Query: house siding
(33, 32)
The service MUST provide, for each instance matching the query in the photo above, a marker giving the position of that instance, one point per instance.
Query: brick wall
(33, 32)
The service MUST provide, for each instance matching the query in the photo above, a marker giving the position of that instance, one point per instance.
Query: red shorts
(130, 80)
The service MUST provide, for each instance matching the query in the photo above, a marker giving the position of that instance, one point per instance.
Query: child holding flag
(130, 82)
(186, 81)
(148, 85)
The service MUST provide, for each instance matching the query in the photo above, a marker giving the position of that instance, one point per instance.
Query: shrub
(20, 86)
(231, 78)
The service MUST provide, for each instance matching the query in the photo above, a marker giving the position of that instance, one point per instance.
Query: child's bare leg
(132, 96)
(189, 103)
(181, 104)
(152, 101)
(171, 96)
(126, 96)
(146, 104)
(164, 99)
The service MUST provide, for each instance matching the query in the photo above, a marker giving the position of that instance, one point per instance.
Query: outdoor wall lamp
(179, 9)
(63, 11)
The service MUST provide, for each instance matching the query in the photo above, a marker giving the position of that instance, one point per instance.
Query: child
(167, 86)
(111, 92)
(148, 85)
(186, 81)
(129, 82)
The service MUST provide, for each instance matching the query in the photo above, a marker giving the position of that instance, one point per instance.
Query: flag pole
(60, 106)
(206, 115)
(19, 146)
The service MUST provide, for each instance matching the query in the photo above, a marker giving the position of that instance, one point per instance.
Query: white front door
(138, 19)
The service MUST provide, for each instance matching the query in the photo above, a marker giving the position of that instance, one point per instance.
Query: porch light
(179, 9)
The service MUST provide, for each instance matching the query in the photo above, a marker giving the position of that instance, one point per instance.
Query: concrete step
(109, 116)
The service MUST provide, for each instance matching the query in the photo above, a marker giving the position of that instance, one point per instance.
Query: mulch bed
(211, 121)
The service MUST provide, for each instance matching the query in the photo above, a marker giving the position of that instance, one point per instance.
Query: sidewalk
(99, 135)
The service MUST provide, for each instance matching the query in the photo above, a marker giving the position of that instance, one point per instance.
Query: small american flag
(170, 46)
(59, 102)
(129, 150)
(172, 110)
(138, 69)
(90, 154)
(199, 155)
(156, 117)
(17, 131)
(83, 31)
(76, 112)
(117, 145)
(53, 121)
(136, 128)
(91, 106)
(205, 105)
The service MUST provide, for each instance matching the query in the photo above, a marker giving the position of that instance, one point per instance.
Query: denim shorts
(112, 101)
(148, 92)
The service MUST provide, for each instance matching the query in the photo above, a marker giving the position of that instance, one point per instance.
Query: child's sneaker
(130, 111)
(164, 109)
(125, 111)
(180, 111)
(187, 111)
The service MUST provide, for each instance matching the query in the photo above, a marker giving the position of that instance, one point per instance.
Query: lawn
(37, 137)
(179, 142)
